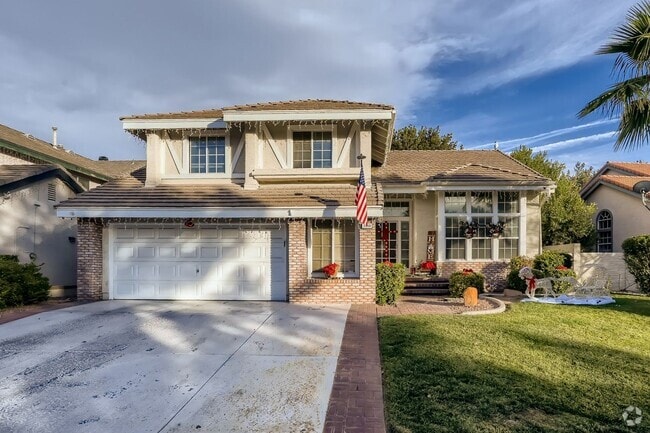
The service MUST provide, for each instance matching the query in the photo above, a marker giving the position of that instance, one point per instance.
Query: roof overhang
(417, 188)
(160, 124)
(306, 115)
(216, 212)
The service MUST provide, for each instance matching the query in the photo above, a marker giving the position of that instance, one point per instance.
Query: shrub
(459, 281)
(548, 261)
(21, 283)
(516, 283)
(390, 282)
(516, 263)
(636, 253)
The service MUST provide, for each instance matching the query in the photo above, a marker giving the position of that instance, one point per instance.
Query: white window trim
(311, 128)
(227, 153)
(410, 219)
(442, 226)
(312, 274)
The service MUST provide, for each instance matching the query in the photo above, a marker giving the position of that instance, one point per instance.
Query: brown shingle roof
(305, 104)
(43, 151)
(417, 166)
(13, 176)
(623, 174)
(129, 191)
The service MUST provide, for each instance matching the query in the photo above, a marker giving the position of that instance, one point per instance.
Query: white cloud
(82, 65)
(575, 141)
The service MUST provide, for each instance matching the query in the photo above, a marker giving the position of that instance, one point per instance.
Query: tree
(425, 138)
(630, 98)
(582, 174)
(566, 218)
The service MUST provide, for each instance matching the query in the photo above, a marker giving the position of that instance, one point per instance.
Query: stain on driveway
(170, 366)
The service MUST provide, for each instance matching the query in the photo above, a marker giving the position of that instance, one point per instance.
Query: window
(604, 222)
(481, 208)
(312, 149)
(207, 155)
(333, 241)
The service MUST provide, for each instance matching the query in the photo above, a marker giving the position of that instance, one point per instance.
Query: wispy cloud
(528, 141)
(574, 141)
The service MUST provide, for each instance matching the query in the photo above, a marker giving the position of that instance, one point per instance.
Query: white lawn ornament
(527, 275)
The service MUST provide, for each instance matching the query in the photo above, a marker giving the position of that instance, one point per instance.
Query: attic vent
(51, 192)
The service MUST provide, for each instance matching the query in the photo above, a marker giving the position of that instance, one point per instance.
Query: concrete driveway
(134, 366)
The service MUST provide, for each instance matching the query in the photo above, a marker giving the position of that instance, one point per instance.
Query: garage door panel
(199, 263)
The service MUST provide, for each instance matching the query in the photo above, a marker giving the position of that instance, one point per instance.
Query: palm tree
(630, 98)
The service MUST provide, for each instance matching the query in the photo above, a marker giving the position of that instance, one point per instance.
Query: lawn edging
(500, 307)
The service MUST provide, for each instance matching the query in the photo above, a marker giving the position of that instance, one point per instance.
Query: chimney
(54, 143)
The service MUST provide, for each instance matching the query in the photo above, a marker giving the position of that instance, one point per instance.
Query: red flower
(428, 265)
(331, 269)
(561, 268)
(387, 263)
(468, 271)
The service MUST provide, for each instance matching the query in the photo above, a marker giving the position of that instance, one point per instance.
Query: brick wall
(89, 260)
(495, 272)
(307, 290)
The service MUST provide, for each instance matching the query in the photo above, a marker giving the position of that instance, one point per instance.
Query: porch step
(426, 286)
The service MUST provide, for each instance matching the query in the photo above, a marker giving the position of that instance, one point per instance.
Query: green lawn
(533, 368)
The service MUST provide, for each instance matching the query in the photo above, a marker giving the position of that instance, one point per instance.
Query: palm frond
(634, 126)
(614, 100)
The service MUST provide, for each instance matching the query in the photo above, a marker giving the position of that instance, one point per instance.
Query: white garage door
(198, 263)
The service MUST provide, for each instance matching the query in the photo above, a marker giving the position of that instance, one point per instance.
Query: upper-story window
(312, 149)
(604, 224)
(207, 155)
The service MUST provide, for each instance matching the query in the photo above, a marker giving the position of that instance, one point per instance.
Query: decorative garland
(470, 229)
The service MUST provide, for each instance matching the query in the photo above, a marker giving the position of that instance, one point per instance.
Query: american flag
(361, 199)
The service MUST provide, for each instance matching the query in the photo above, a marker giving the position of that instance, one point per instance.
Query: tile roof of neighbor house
(303, 105)
(623, 175)
(129, 192)
(25, 144)
(13, 176)
(417, 166)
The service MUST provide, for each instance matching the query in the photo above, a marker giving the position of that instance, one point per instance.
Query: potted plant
(428, 266)
(332, 270)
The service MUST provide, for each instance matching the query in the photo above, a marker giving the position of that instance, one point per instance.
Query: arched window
(604, 222)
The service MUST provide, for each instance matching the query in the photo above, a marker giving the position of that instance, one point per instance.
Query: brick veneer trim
(307, 290)
(89, 260)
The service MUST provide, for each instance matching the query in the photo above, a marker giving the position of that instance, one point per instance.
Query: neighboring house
(252, 201)
(620, 213)
(30, 228)
(34, 177)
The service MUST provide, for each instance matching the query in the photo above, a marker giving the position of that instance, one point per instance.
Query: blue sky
(512, 72)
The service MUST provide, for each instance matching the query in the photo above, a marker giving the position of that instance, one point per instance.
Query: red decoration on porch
(385, 232)
(428, 265)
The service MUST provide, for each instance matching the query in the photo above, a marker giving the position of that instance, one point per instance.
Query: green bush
(636, 253)
(21, 284)
(516, 263)
(515, 282)
(548, 261)
(459, 281)
(560, 287)
(390, 282)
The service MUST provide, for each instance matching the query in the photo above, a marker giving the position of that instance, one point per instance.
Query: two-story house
(253, 201)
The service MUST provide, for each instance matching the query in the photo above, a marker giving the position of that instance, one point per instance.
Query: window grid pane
(508, 202)
(333, 242)
(455, 202)
(508, 248)
(481, 202)
(208, 155)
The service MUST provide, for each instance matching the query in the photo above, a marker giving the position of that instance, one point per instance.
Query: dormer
(315, 141)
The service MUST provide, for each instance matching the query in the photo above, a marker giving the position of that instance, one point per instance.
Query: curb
(500, 308)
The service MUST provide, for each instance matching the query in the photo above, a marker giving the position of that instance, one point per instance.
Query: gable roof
(128, 193)
(296, 105)
(14, 176)
(34, 149)
(617, 174)
(455, 166)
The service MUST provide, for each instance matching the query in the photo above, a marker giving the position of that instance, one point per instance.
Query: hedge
(390, 282)
(636, 253)
(459, 281)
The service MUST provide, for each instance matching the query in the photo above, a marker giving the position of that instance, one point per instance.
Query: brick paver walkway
(357, 401)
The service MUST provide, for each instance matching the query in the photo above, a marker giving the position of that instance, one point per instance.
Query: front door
(392, 241)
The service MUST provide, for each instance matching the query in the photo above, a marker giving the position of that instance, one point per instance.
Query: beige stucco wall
(28, 228)
(630, 217)
(424, 219)
(533, 223)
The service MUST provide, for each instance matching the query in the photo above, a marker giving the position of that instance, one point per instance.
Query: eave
(306, 115)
